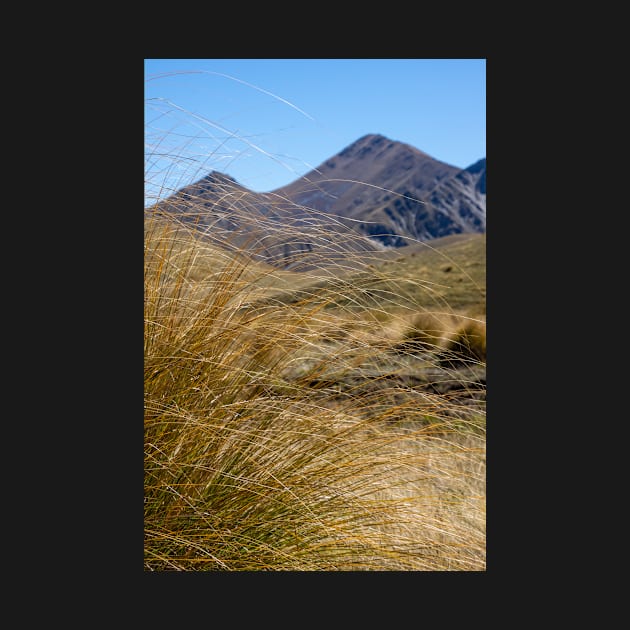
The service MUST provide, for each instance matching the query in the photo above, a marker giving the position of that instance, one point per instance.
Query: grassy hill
(449, 271)
(390, 330)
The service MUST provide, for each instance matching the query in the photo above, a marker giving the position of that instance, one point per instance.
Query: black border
(108, 432)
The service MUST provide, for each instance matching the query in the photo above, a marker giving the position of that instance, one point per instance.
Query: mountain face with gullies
(395, 191)
(386, 192)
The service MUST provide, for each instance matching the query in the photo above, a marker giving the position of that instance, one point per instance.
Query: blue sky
(266, 122)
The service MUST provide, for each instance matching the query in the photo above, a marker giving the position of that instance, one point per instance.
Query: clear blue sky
(266, 122)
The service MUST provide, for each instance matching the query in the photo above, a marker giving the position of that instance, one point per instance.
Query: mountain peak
(214, 181)
(478, 166)
(373, 138)
(217, 177)
(373, 144)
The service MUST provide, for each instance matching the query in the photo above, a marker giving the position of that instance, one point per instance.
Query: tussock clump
(426, 333)
(467, 344)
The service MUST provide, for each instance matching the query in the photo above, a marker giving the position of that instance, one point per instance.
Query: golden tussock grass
(291, 420)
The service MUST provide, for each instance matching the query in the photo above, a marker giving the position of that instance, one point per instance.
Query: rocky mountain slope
(395, 192)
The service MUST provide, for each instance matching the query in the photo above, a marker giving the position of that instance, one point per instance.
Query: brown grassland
(324, 420)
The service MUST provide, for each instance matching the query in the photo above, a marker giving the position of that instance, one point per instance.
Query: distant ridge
(385, 192)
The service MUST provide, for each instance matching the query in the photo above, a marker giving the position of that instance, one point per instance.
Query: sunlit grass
(304, 421)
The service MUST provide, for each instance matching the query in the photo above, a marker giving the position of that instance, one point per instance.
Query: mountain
(376, 192)
(396, 191)
(269, 226)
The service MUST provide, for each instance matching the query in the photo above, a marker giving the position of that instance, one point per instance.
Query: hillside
(363, 318)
